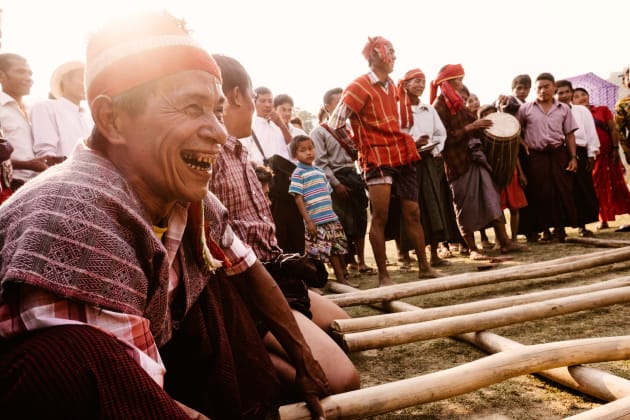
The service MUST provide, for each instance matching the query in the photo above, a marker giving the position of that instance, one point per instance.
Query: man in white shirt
(283, 105)
(271, 135)
(16, 79)
(587, 149)
(60, 124)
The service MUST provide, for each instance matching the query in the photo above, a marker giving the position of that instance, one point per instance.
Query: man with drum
(476, 199)
(548, 133)
(385, 153)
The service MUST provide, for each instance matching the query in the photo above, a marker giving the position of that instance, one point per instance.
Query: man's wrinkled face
(170, 147)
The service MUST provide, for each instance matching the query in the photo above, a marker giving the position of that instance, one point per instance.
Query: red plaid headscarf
(449, 72)
(404, 102)
(379, 44)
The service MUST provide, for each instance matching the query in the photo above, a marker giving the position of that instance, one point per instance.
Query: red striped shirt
(375, 123)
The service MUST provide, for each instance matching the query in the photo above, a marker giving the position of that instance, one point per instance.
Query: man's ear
(235, 97)
(106, 119)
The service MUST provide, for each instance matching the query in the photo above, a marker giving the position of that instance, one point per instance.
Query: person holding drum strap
(475, 197)
(548, 133)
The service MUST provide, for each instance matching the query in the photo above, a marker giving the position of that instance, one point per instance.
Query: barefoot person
(476, 199)
(386, 154)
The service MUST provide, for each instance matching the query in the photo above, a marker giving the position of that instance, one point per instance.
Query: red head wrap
(379, 44)
(404, 103)
(138, 49)
(450, 71)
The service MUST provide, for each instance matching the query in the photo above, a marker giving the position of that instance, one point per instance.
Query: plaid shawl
(80, 232)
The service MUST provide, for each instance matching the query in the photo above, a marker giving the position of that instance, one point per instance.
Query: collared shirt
(270, 138)
(426, 121)
(58, 126)
(235, 183)
(543, 130)
(586, 134)
(17, 130)
(372, 109)
(330, 156)
(310, 182)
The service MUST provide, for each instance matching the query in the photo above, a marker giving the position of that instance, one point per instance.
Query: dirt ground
(525, 397)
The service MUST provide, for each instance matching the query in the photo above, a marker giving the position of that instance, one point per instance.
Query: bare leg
(339, 369)
(379, 198)
(504, 240)
(325, 311)
(338, 263)
(411, 213)
(514, 222)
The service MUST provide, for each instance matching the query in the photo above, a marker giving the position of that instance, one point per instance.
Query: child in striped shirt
(324, 236)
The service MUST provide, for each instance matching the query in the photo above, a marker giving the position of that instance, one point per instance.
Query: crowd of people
(162, 256)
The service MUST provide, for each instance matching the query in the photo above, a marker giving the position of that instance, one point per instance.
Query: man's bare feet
(512, 247)
(385, 281)
(428, 273)
(349, 283)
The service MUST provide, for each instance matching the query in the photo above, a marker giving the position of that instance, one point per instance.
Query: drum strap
(352, 153)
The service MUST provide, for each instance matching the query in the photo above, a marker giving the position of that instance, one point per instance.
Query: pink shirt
(548, 130)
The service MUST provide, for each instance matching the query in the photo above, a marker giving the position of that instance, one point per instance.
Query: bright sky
(304, 48)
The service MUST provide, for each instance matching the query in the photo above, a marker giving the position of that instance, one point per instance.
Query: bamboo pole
(464, 378)
(619, 409)
(608, 243)
(594, 382)
(482, 321)
(408, 317)
(536, 270)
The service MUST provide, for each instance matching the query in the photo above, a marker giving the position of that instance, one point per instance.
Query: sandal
(478, 256)
(444, 252)
(367, 270)
(405, 266)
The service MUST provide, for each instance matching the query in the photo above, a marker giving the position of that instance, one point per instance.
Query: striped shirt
(372, 109)
(310, 182)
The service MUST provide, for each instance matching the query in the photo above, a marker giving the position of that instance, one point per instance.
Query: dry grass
(525, 397)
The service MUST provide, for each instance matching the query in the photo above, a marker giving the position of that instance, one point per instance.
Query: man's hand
(312, 382)
(590, 164)
(572, 166)
(276, 118)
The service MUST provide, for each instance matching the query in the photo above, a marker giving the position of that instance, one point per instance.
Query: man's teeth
(198, 162)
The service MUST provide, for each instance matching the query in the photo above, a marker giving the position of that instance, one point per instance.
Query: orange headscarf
(404, 102)
(453, 100)
(379, 44)
(130, 51)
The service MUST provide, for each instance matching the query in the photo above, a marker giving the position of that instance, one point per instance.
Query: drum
(501, 143)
